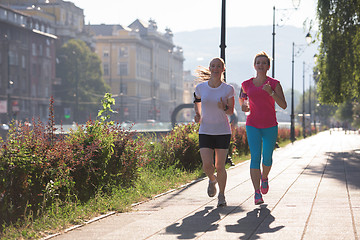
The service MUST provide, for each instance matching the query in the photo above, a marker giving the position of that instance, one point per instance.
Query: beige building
(143, 68)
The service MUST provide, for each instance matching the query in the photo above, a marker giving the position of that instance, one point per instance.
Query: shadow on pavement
(250, 225)
(339, 162)
(202, 221)
(199, 222)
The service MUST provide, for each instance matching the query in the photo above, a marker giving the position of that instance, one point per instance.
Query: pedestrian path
(314, 194)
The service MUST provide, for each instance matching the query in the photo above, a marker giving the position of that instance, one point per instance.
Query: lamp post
(296, 4)
(303, 103)
(223, 32)
(121, 98)
(76, 76)
(273, 45)
(292, 116)
(9, 82)
(314, 76)
(292, 126)
(310, 103)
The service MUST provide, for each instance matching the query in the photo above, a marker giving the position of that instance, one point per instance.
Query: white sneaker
(221, 200)
(212, 188)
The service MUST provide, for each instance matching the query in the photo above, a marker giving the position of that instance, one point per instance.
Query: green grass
(63, 215)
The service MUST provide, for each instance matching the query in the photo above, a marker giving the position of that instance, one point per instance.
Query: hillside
(242, 45)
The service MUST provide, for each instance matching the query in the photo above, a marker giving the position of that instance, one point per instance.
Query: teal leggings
(261, 139)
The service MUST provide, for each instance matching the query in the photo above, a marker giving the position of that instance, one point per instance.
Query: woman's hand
(245, 107)
(244, 104)
(267, 88)
(222, 105)
(197, 118)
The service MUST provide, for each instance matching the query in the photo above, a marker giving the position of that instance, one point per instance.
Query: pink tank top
(262, 105)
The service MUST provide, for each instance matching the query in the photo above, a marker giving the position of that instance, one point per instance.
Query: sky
(190, 15)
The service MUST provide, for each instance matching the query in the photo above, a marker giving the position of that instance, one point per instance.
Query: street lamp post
(310, 131)
(9, 82)
(292, 126)
(303, 105)
(273, 45)
(292, 116)
(76, 76)
(296, 4)
(313, 77)
(223, 32)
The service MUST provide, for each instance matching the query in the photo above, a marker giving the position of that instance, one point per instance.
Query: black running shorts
(214, 141)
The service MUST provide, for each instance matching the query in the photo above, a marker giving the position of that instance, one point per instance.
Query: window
(48, 52)
(122, 69)
(106, 69)
(13, 58)
(23, 63)
(40, 50)
(123, 88)
(106, 53)
(123, 52)
(33, 48)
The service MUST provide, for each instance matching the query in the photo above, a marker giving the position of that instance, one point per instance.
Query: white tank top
(214, 120)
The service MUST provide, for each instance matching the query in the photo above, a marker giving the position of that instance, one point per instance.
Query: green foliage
(39, 168)
(356, 115)
(339, 59)
(179, 148)
(239, 144)
(345, 112)
(80, 71)
(107, 102)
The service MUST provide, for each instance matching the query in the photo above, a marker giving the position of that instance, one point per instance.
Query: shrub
(283, 134)
(179, 148)
(239, 144)
(38, 167)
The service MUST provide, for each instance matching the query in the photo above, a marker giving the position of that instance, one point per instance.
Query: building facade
(143, 67)
(64, 17)
(27, 63)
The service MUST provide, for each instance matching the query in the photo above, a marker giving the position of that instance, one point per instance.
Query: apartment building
(27, 66)
(143, 68)
(65, 18)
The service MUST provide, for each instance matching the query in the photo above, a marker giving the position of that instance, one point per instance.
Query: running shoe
(212, 188)
(221, 200)
(258, 198)
(264, 185)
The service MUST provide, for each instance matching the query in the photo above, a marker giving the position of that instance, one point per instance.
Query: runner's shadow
(249, 225)
(201, 221)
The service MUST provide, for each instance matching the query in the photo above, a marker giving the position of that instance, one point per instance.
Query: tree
(82, 86)
(339, 59)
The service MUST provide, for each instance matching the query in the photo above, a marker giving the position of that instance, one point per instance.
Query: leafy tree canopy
(80, 71)
(339, 59)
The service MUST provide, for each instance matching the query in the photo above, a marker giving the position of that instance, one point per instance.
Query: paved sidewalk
(314, 194)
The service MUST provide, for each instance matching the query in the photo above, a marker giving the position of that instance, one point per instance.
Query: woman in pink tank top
(258, 96)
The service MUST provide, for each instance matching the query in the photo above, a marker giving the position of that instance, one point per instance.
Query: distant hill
(243, 43)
